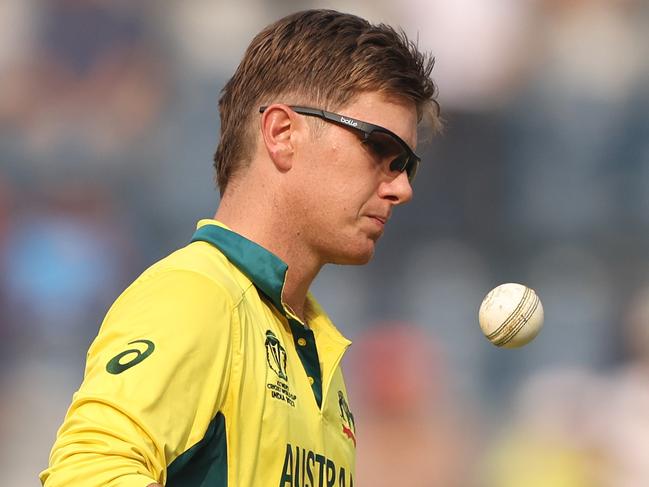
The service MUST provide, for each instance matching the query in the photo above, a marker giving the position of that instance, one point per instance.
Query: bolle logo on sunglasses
(348, 121)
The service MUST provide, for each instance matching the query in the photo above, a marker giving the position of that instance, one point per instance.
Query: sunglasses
(382, 142)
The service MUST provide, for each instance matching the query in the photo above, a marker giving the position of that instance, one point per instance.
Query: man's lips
(382, 220)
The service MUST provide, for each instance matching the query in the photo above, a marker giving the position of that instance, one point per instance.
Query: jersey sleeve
(155, 377)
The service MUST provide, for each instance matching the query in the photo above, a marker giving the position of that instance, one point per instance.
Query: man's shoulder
(201, 258)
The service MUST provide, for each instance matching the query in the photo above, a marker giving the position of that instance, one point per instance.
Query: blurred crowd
(108, 124)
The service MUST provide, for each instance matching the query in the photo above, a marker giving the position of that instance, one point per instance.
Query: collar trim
(263, 268)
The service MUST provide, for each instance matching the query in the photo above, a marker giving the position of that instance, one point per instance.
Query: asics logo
(348, 122)
(132, 356)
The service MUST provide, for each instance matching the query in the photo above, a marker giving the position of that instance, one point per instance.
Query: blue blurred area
(108, 124)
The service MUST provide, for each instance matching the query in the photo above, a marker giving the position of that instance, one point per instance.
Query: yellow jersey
(201, 376)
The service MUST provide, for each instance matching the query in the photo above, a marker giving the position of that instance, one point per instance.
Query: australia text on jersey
(305, 468)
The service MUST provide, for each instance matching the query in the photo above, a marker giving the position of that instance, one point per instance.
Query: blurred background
(108, 124)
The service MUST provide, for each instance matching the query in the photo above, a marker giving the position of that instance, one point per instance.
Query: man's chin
(356, 257)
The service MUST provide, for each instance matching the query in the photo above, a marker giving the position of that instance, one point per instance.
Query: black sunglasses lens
(406, 163)
(411, 168)
(400, 163)
(386, 147)
(383, 145)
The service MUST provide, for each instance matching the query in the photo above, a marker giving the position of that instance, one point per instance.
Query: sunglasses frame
(366, 129)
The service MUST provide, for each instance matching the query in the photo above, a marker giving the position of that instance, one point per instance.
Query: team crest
(276, 355)
(349, 428)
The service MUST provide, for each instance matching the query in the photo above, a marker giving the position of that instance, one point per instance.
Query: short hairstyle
(324, 58)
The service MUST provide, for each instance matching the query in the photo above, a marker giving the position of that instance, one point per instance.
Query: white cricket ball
(511, 315)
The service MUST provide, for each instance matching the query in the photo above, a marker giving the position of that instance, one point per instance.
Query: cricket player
(217, 366)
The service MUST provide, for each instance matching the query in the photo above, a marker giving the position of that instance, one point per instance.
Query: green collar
(264, 269)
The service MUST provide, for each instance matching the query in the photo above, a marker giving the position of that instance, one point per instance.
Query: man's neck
(303, 267)
(301, 273)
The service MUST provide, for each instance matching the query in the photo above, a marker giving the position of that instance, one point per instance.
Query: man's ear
(278, 125)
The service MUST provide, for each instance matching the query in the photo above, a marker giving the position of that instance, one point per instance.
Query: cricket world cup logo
(349, 428)
(276, 355)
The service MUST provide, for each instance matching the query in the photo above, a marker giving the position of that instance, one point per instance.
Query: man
(216, 366)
